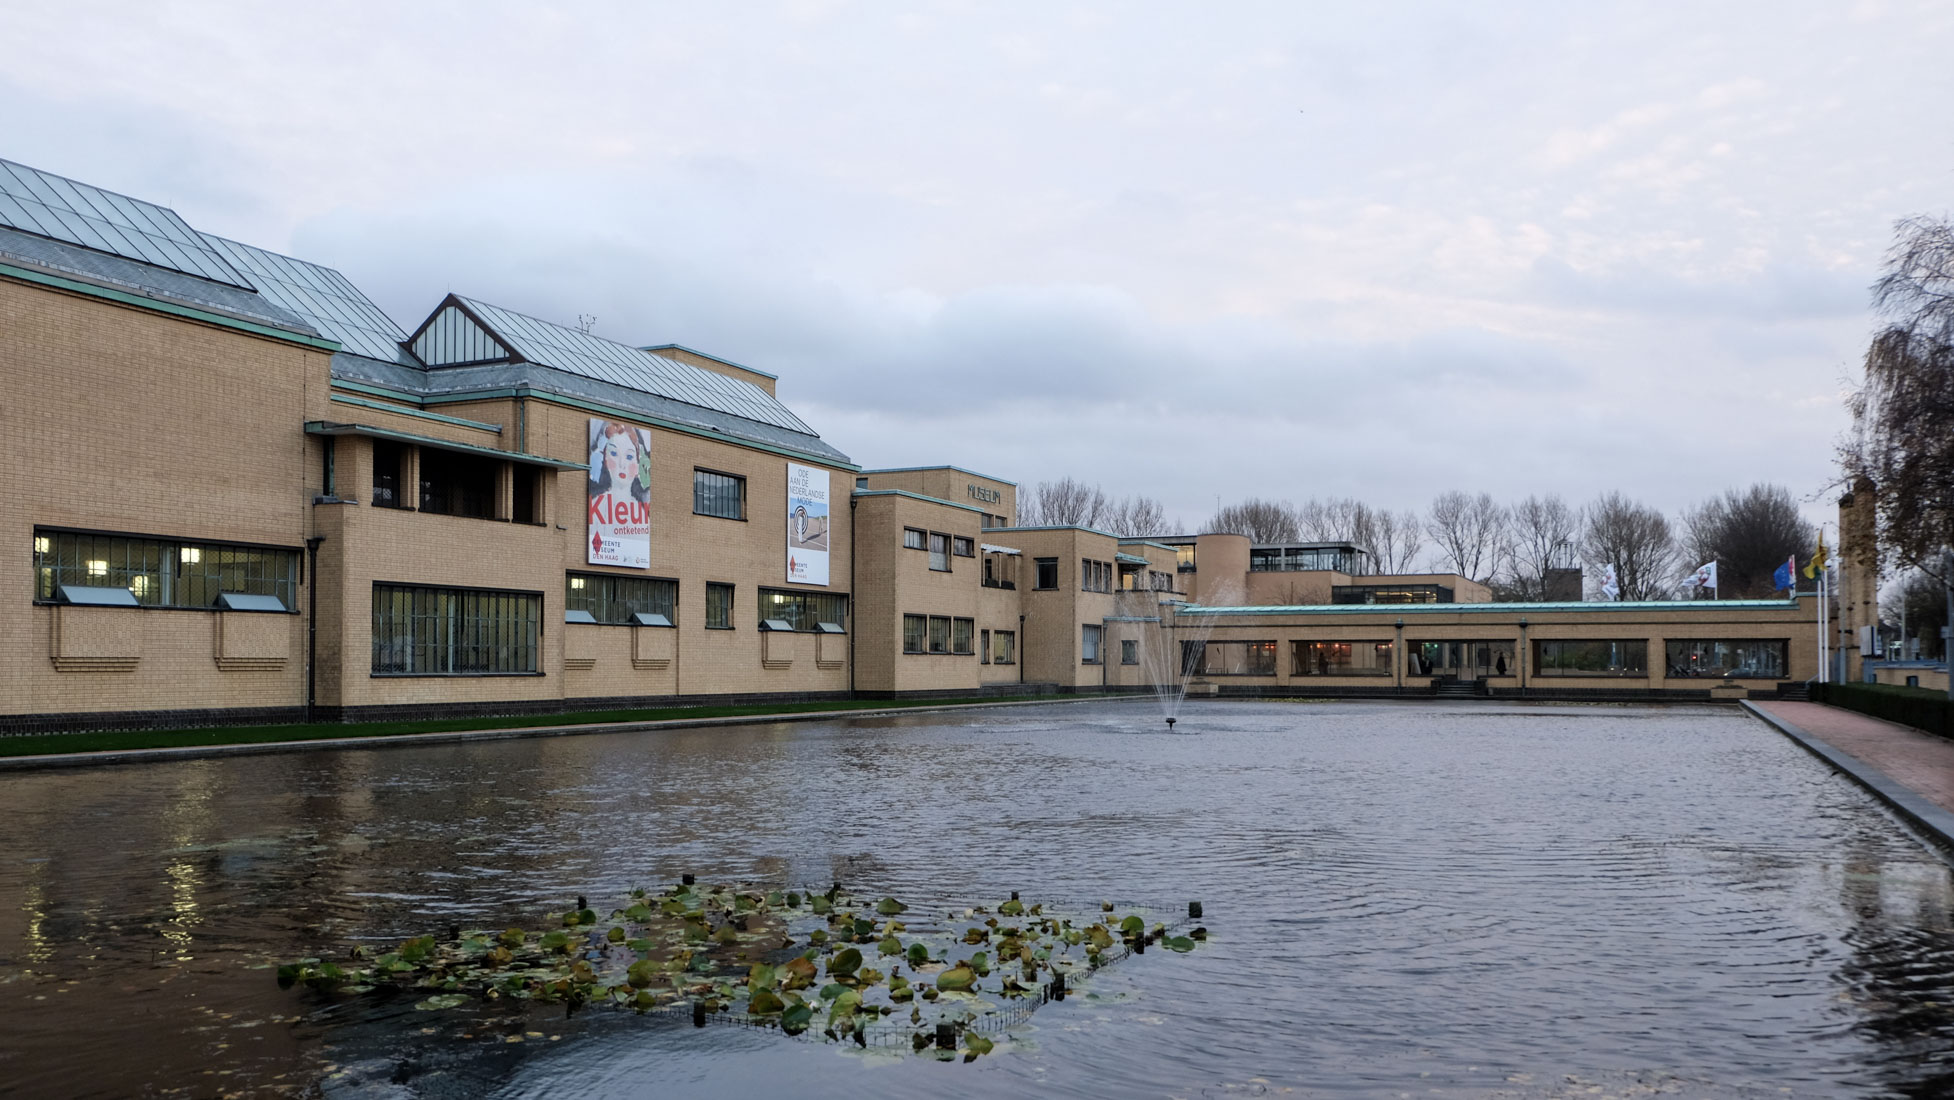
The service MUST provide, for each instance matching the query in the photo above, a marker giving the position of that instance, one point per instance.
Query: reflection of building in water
(321, 511)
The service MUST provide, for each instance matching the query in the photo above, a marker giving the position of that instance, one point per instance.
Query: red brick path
(1918, 760)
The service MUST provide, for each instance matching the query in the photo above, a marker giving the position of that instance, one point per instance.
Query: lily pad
(889, 907)
(441, 1000)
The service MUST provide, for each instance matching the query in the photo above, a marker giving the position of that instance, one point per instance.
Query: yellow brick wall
(128, 421)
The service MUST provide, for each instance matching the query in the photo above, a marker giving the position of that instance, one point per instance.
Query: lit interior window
(192, 554)
(98, 568)
(140, 586)
(43, 544)
(576, 582)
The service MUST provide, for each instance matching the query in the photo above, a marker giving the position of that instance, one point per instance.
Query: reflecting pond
(1417, 899)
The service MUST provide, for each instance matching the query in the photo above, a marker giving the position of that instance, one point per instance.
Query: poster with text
(807, 524)
(620, 494)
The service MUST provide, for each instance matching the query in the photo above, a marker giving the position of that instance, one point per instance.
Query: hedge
(1917, 707)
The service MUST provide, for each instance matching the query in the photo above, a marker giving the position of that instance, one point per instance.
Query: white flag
(1611, 587)
(1704, 577)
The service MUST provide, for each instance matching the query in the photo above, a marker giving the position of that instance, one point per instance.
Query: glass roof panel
(325, 298)
(579, 352)
(50, 206)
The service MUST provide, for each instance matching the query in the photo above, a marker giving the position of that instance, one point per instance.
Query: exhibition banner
(807, 524)
(620, 494)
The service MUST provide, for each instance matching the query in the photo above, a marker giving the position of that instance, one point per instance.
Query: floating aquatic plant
(819, 964)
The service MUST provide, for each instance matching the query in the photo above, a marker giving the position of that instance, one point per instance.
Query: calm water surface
(1406, 899)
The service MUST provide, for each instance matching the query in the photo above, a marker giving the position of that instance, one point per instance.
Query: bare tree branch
(1636, 540)
(1260, 520)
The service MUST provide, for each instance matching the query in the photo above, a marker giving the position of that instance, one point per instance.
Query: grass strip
(110, 740)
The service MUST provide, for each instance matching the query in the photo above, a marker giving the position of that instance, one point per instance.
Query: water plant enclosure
(819, 965)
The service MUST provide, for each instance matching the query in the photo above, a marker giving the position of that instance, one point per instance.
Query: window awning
(1129, 559)
(989, 549)
(327, 427)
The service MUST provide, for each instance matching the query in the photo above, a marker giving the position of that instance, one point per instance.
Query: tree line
(1511, 548)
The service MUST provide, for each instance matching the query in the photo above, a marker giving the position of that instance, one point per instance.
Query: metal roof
(578, 352)
(323, 297)
(62, 209)
(144, 279)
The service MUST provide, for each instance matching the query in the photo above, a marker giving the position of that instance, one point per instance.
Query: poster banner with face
(807, 524)
(620, 494)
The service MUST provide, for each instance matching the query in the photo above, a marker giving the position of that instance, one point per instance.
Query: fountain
(1165, 650)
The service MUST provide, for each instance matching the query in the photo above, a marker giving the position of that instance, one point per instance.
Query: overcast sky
(1284, 250)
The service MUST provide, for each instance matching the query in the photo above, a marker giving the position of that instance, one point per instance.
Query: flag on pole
(1787, 575)
(1704, 577)
(1817, 565)
(1611, 587)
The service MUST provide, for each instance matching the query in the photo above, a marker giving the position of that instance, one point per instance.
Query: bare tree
(1468, 532)
(1903, 413)
(1066, 502)
(1543, 533)
(1136, 515)
(1636, 540)
(1919, 604)
(1260, 520)
(1333, 520)
(1392, 539)
(1749, 534)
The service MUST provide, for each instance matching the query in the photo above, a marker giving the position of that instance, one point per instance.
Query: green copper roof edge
(924, 469)
(437, 417)
(919, 496)
(1494, 608)
(607, 410)
(158, 305)
(321, 427)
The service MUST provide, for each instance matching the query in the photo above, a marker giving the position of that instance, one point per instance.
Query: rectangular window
(939, 552)
(715, 494)
(960, 630)
(162, 572)
(614, 599)
(719, 606)
(454, 631)
(1184, 559)
(915, 630)
(1004, 647)
(1229, 658)
(1047, 572)
(528, 503)
(913, 539)
(983, 647)
(389, 460)
(1340, 658)
(1089, 645)
(1389, 593)
(1129, 652)
(963, 547)
(1558, 657)
(939, 634)
(456, 484)
(1752, 659)
(1466, 660)
(805, 611)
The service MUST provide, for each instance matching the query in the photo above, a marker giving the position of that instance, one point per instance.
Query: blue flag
(1783, 578)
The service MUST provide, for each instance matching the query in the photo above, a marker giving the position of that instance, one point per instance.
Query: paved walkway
(1912, 771)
